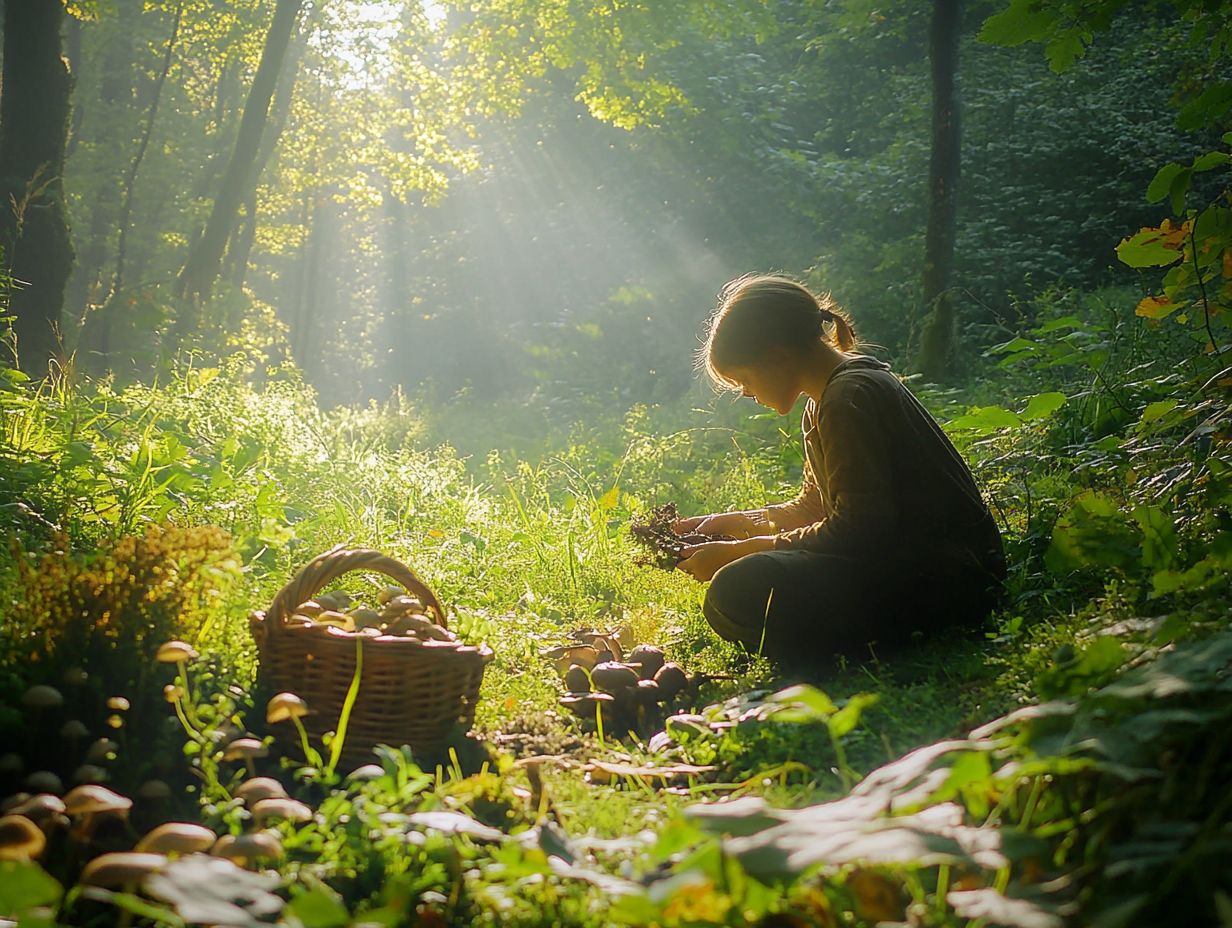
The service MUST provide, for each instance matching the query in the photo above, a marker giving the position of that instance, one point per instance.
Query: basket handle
(331, 565)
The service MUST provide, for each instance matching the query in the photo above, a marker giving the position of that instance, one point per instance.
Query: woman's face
(775, 387)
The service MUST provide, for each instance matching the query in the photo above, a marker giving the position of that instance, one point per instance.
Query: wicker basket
(410, 692)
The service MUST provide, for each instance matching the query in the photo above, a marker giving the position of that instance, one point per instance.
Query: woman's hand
(703, 561)
(736, 524)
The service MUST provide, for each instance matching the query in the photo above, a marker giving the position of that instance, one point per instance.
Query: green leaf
(319, 907)
(1162, 182)
(1043, 406)
(1159, 539)
(1147, 249)
(25, 885)
(801, 703)
(1210, 161)
(1178, 189)
(1155, 411)
(1023, 21)
(1067, 48)
(1206, 109)
(847, 718)
(985, 420)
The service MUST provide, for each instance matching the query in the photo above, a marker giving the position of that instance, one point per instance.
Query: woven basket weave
(410, 692)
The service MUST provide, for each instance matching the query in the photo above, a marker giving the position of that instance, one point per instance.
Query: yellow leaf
(435, 533)
(1156, 307)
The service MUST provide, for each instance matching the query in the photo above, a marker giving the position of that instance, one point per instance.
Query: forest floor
(1065, 765)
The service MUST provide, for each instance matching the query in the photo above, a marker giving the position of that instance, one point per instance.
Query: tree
(201, 269)
(34, 119)
(937, 338)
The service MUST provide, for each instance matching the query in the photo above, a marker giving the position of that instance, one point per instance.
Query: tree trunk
(130, 176)
(34, 119)
(245, 232)
(937, 338)
(197, 277)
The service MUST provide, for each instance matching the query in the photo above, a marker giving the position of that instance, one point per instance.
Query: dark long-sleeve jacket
(882, 481)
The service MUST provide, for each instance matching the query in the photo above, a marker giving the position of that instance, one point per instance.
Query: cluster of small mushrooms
(42, 819)
(401, 617)
(623, 690)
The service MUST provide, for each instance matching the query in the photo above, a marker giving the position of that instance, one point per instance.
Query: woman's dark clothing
(888, 536)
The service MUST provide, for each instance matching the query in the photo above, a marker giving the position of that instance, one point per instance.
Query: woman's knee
(736, 603)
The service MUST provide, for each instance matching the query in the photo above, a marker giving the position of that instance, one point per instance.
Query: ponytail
(758, 313)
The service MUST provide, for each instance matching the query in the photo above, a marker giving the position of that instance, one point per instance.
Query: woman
(889, 534)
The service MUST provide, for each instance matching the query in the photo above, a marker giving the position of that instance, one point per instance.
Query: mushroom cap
(648, 658)
(42, 696)
(89, 773)
(281, 807)
(577, 680)
(154, 789)
(44, 781)
(74, 728)
(92, 798)
(75, 676)
(100, 750)
(366, 772)
(40, 808)
(20, 838)
(244, 749)
(671, 679)
(258, 844)
(175, 652)
(118, 869)
(118, 704)
(177, 838)
(285, 706)
(258, 788)
(612, 676)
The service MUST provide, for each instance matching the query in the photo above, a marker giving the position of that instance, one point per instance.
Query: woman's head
(766, 320)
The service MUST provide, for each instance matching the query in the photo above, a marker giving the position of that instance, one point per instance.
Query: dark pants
(803, 607)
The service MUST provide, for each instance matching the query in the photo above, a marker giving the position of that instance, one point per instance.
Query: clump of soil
(656, 531)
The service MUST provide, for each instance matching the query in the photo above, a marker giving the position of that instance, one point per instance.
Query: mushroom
(45, 810)
(243, 849)
(90, 802)
(74, 730)
(648, 658)
(247, 750)
(175, 652)
(121, 870)
(9, 803)
(118, 704)
(577, 680)
(671, 679)
(101, 750)
(258, 788)
(154, 791)
(177, 838)
(310, 608)
(89, 773)
(289, 706)
(612, 676)
(20, 838)
(366, 618)
(280, 807)
(44, 781)
(42, 697)
(75, 676)
(366, 772)
(565, 657)
(387, 593)
(585, 705)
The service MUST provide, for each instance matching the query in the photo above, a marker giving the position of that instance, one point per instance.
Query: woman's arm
(739, 524)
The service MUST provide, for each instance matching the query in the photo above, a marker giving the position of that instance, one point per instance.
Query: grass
(521, 550)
